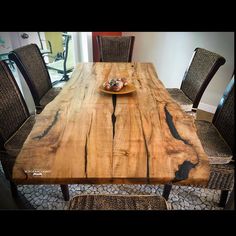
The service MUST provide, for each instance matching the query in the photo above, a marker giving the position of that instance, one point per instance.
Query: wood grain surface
(87, 136)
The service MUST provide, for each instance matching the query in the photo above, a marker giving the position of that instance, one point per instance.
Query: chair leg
(14, 190)
(230, 203)
(65, 77)
(166, 191)
(223, 198)
(65, 192)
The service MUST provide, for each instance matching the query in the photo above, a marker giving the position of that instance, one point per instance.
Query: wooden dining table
(87, 136)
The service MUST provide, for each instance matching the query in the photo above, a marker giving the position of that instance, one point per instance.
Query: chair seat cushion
(179, 96)
(214, 145)
(49, 96)
(14, 144)
(118, 202)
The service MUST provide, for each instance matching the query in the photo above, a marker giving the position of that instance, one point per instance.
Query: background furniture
(115, 48)
(118, 202)
(33, 68)
(44, 51)
(65, 64)
(203, 66)
(15, 124)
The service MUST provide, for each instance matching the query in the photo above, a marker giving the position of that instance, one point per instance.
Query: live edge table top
(87, 136)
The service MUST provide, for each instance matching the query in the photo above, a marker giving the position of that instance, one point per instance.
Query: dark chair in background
(218, 141)
(115, 48)
(64, 65)
(118, 202)
(15, 124)
(203, 66)
(33, 68)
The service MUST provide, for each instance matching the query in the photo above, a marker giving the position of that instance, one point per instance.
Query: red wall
(95, 46)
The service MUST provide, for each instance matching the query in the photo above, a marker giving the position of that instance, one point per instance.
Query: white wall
(76, 46)
(83, 46)
(171, 52)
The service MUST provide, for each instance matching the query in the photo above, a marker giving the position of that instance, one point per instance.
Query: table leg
(223, 197)
(230, 203)
(166, 191)
(65, 192)
(14, 190)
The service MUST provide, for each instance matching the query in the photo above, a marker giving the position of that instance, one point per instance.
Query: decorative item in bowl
(117, 86)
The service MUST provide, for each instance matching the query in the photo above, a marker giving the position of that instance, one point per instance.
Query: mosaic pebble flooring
(49, 197)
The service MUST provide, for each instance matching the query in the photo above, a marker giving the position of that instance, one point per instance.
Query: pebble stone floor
(49, 197)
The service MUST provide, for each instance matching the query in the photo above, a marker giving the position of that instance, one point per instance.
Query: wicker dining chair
(118, 202)
(203, 66)
(15, 124)
(33, 68)
(218, 141)
(115, 48)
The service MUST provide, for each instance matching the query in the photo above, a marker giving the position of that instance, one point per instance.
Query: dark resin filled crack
(113, 117)
(183, 169)
(46, 131)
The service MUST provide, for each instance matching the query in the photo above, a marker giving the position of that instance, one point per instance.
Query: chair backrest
(115, 48)
(32, 66)
(203, 66)
(13, 109)
(223, 119)
(118, 202)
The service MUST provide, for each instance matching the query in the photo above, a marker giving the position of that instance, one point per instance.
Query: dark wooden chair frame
(221, 61)
(131, 47)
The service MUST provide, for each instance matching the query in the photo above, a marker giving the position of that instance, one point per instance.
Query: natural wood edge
(108, 181)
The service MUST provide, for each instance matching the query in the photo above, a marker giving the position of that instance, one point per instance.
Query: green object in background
(65, 64)
(56, 41)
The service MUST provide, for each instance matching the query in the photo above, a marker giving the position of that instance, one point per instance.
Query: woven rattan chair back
(115, 48)
(13, 109)
(203, 66)
(118, 202)
(223, 119)
(33, 68)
